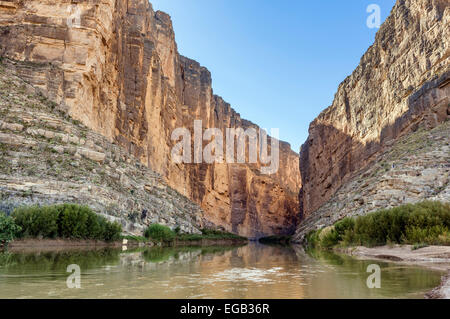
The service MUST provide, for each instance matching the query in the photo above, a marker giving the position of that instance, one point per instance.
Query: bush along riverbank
(163, 235)
(420, 225)
(66, 221)
(70, 225)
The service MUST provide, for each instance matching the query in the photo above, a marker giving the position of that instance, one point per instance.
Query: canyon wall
(114, 66)
(401, 86)
(48, 158)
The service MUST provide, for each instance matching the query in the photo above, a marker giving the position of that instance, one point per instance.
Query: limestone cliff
(47, 158)
(114, 66)
(401, 86)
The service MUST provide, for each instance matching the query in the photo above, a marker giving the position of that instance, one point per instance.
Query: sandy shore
(434, 257)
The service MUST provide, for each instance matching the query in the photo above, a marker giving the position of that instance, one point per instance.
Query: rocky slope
(348, 164)
(47, 157)
(415, 168)
(114, 66)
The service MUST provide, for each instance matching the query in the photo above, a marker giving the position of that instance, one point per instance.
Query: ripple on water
(246, 274)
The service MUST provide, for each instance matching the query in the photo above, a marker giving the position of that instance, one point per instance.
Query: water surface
(252, 271)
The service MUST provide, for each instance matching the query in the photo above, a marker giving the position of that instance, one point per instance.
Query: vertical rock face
(114, 66)
(48, 158)
(402, 83)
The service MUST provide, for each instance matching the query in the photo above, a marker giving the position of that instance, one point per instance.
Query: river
(252, 271)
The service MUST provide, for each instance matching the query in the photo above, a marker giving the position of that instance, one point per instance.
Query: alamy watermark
(74, 279)
(230, 147)
(74, 18)
(374, 19)
(374, 280)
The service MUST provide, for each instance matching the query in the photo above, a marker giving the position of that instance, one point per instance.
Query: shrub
(140, 239)
(94, 226)
(209, 233)
(312, 238)
(190, 237)
(343, 226)
(418, 246)
(37, 221)
(345, 230)
(74, 221)
(159, 232)
(112, 231)
(66, 221)
(8, 229)
(422, 223)
(329, 237)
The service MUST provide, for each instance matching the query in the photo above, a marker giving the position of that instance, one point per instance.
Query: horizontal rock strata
(400, 86)
(114, 66)
(48, 158)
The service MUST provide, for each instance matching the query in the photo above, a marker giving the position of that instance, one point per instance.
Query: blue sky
(278, 63)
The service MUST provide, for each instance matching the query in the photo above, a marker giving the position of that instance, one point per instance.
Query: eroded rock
(117, 70)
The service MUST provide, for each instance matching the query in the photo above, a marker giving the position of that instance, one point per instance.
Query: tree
(8, 229)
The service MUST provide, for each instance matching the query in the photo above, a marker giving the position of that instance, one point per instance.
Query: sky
(278, 63)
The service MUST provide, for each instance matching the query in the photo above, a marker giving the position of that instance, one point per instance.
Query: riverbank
(420, 224)
(58, 245)
(70, 226)
(253, 271)
(441, 292)
(433, 257)
(208, 242)
(413, 234)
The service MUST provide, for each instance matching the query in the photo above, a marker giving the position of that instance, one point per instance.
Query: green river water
(252, 271)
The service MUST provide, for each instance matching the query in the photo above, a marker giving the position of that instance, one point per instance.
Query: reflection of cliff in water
(349, 277)
(252, 271)
(58, 261)
(163, 257)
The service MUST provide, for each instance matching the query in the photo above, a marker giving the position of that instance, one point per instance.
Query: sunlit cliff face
(114, 66)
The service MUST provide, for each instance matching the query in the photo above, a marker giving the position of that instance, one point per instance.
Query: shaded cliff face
(415, 168)
(114, 66)
(401, 84)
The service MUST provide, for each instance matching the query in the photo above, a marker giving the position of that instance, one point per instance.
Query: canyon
(384, 141)
(96, 88)
(114, 67)
(46, 157)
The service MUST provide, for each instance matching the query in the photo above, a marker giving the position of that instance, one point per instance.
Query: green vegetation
(58, 261)
(418, 246)
(64, 221)
(162, 233)
(210, 234)
(425, 223)
(8, 229)
(159, 233)
(139, 239)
